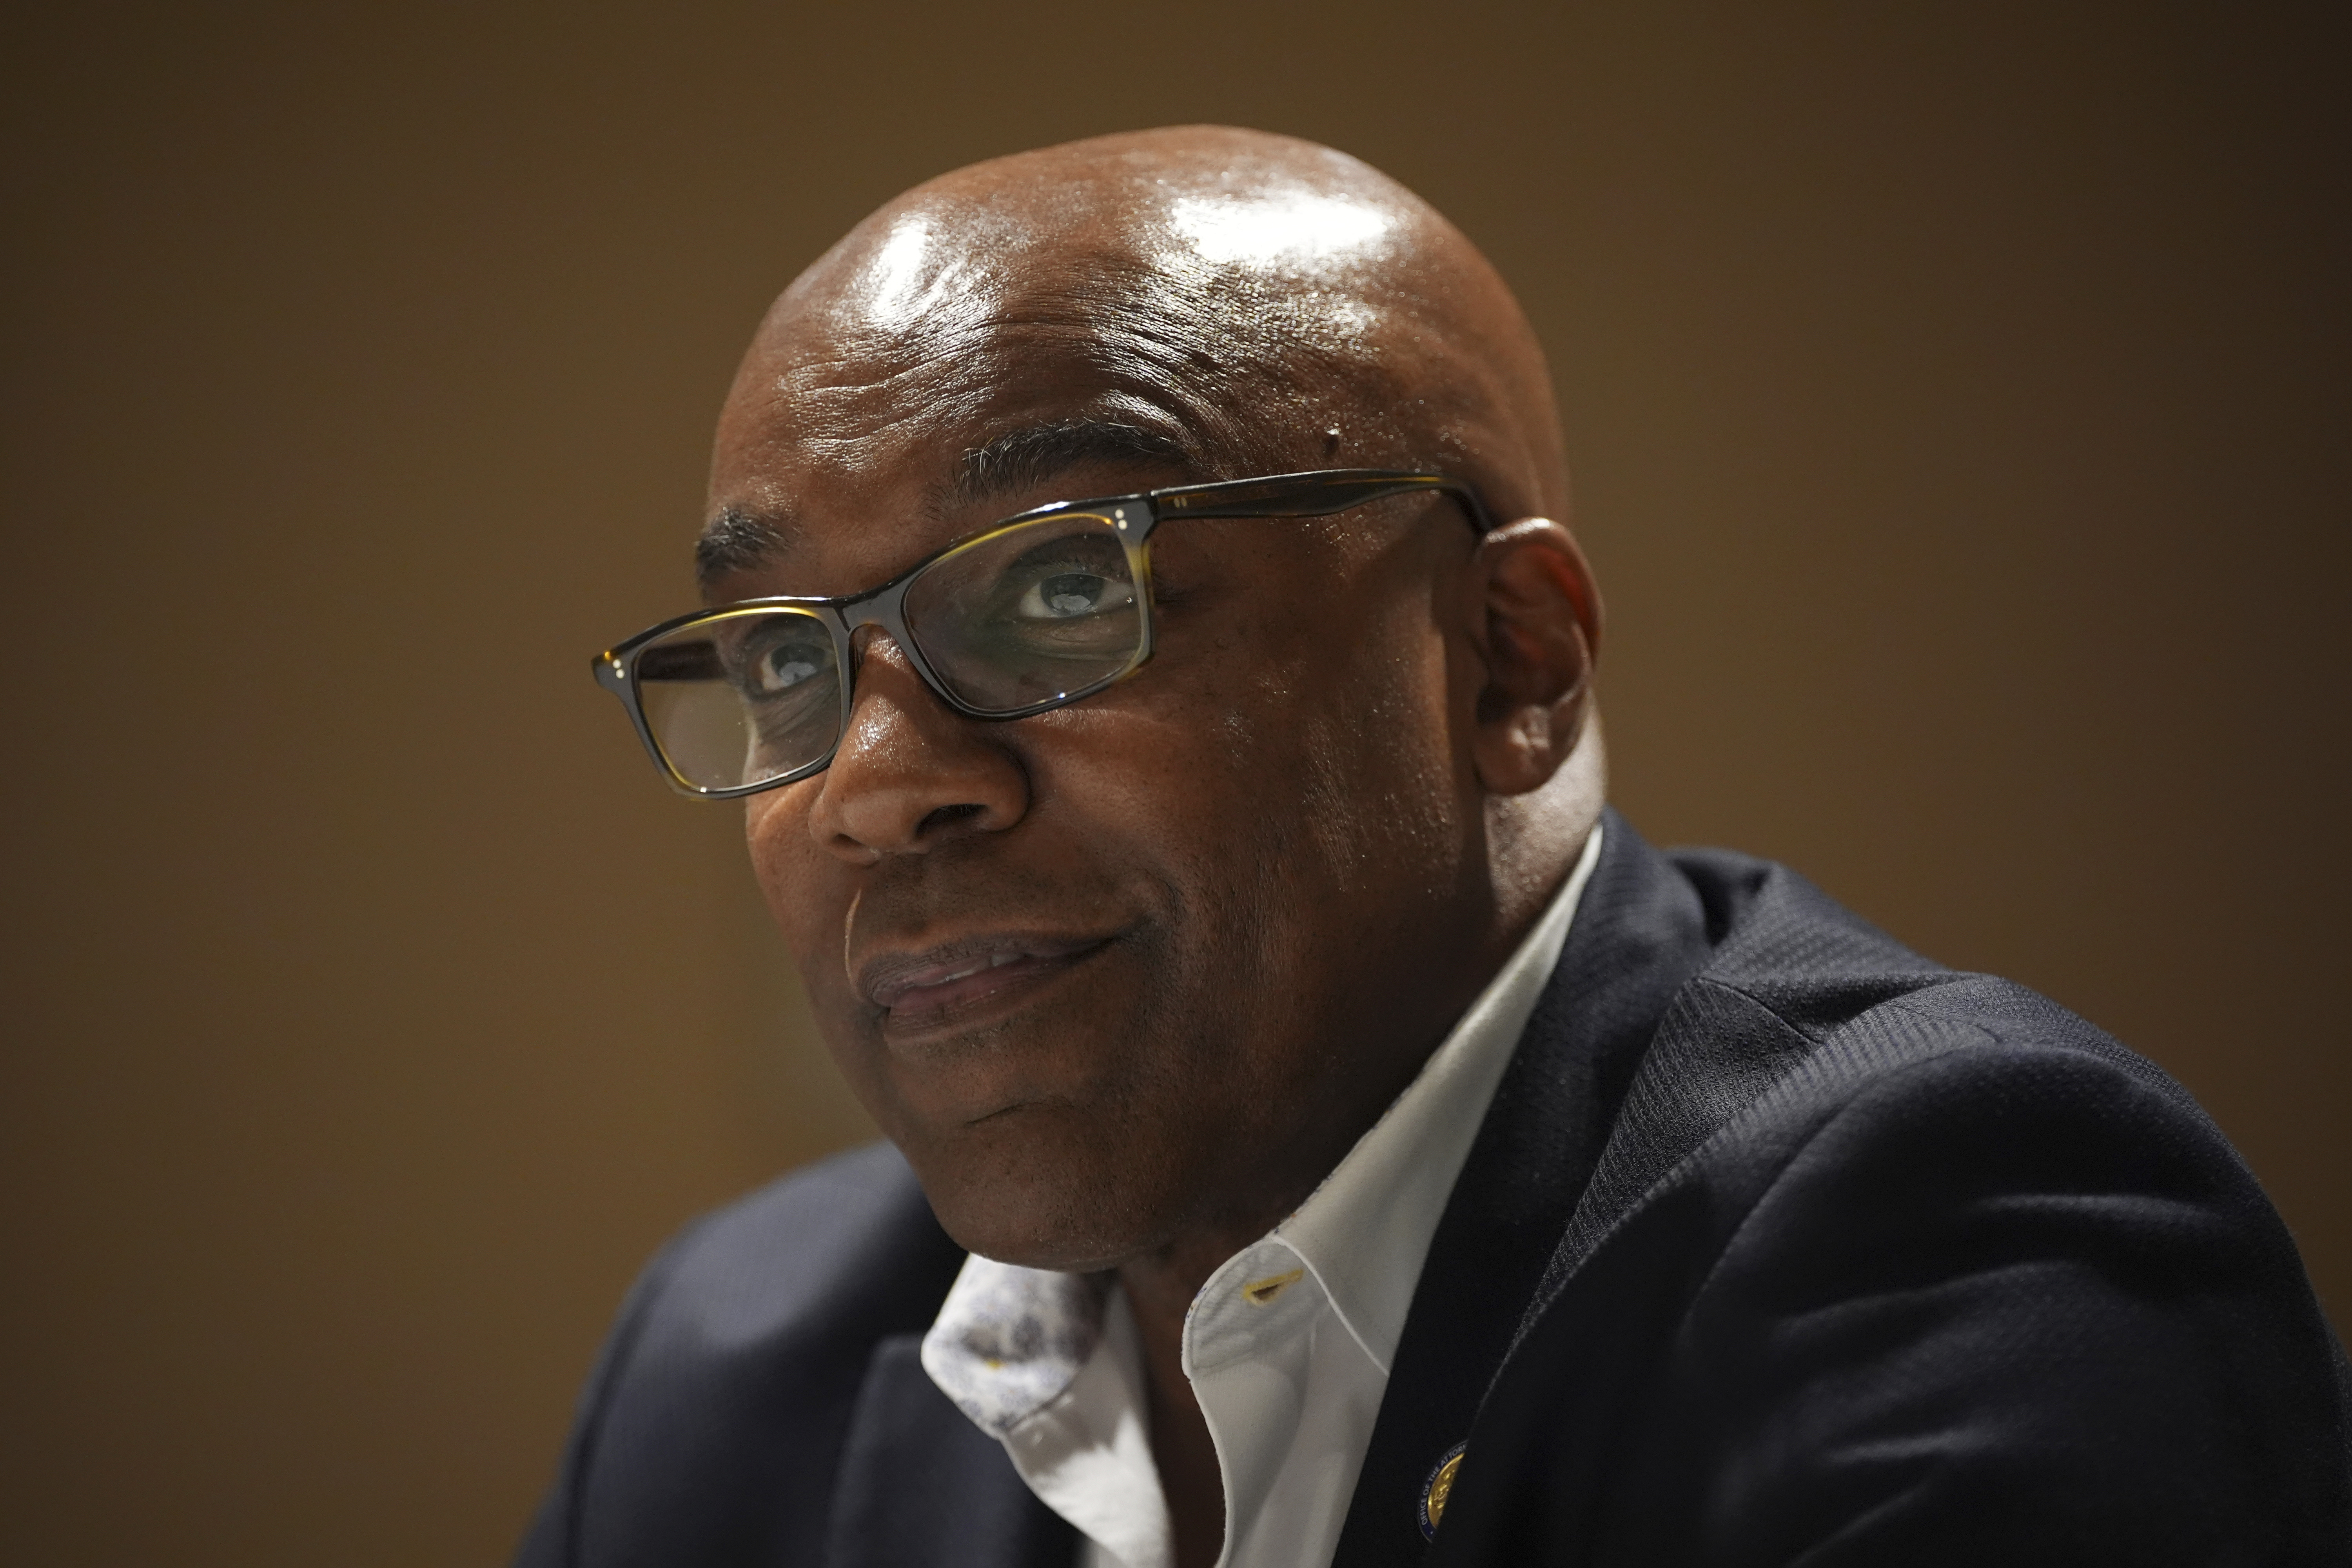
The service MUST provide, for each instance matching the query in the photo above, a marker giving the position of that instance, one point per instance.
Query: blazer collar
(1641, 932)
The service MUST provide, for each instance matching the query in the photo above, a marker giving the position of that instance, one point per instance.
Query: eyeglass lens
(1027, 614)
(743, 697)
(1023, 615)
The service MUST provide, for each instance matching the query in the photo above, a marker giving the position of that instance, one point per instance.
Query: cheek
(1333, 745)
(775, 833)
(1389, 786)
(1298, 794)
(808, 895)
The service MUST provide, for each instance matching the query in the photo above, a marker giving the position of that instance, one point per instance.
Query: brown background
(1961, 405)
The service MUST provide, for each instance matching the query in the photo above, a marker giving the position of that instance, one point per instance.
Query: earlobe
(1534, 621)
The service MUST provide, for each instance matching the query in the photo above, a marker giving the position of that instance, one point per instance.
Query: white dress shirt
(1288, 1346)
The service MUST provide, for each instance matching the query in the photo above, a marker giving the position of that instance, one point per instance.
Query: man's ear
(1534, 617)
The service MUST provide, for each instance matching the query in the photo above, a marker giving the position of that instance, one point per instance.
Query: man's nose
(910, 772)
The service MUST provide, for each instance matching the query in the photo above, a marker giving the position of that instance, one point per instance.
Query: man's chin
(1024, 1198)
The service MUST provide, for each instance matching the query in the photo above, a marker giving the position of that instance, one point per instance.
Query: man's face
(1142, 966)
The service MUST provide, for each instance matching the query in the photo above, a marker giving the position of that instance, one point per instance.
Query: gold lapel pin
(1437, 1488)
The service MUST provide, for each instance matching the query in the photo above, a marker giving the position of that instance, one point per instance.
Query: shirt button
(1259, 1292)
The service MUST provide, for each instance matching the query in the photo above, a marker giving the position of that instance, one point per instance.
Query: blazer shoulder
(783, 1288)
(1798, 953)
(1801, 987)
(1802, 1011)
(1914, 1259)
(711, 1429)
(850, 1233)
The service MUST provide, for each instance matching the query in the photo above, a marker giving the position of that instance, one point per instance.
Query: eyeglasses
(1037, 611)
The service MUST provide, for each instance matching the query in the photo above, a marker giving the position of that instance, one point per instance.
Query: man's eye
(772, 665)
(781, 668)
(1066, 595)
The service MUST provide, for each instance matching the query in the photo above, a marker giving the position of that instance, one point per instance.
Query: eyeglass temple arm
(1312, 495)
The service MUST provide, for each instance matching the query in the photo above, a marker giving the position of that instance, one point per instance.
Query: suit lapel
(921, 1485)
(1724, 1042)
(1639, 933)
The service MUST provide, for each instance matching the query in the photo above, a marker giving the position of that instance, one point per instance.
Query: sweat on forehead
(1238, 293)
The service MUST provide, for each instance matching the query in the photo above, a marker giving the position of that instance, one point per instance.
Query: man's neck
(1159, 1292)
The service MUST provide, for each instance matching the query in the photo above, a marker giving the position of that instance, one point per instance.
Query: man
(1323, 1132)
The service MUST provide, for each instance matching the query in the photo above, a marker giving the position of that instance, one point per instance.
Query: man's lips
(912, 986)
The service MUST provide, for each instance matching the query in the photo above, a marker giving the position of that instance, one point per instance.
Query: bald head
(1242, 303)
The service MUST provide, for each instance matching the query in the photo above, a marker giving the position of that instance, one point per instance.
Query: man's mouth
(954, 980)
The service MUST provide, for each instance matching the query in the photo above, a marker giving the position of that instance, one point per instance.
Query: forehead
(850, 466)
(837, 483)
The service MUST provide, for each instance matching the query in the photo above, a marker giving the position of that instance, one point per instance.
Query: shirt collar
(1009, 1340)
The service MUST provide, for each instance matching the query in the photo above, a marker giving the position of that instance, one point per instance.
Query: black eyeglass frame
(1132, 518)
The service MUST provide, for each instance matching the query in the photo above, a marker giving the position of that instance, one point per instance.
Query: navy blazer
(1779, 1243)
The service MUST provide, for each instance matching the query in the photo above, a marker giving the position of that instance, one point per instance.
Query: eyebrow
(1021, 459)
(739, 541)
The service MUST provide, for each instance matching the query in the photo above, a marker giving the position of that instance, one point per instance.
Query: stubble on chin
(1084, 1184)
